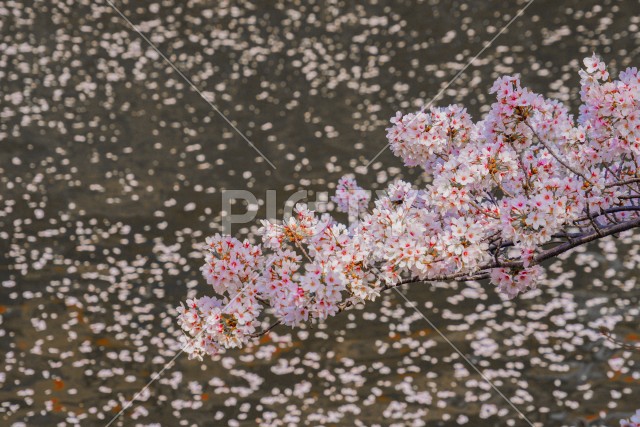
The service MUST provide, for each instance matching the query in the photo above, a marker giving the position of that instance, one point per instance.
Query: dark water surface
(111, 169)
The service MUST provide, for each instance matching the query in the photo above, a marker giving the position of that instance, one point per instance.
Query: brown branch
(593, 222)
(611, 210)
(483, 272)
(590, 237)
(619, 183)
(267, 330)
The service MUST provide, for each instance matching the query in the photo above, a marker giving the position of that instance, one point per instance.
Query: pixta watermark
(241, 207)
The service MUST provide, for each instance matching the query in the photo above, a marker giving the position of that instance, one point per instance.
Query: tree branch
(620, 183)
(610, 210)
(483, 272)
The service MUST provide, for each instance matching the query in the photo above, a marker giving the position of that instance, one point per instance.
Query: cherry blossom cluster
(505, 193)
(331, 277)
(229, 319)
(511, 284)
(350, 197)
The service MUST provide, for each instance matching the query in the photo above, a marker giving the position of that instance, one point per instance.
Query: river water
(111, 173)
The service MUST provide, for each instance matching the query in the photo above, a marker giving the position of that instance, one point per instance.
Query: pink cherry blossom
(350, 197)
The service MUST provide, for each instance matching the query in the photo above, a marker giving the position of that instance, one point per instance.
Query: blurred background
(111, 169)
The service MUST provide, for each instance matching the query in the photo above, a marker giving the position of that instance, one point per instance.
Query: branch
(609, 211)
(267, 330)
(483, 272)
(593, 222)
(620, 183)
(577, 241)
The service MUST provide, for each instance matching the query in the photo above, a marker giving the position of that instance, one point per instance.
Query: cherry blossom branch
(482, 273)
(616, 209)
(266, 330)
(451, 232)
(578, 241)
(593, 222)
(621, 183)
